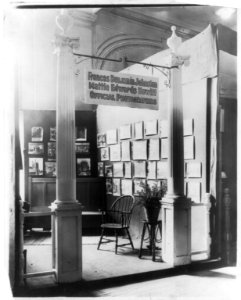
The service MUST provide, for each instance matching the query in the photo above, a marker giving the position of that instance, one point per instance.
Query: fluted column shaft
(65, 106)
(175, 135)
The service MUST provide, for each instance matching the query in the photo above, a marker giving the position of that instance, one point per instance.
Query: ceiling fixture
(225, 12)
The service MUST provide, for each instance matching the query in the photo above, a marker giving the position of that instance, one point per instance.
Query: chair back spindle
(122, 209)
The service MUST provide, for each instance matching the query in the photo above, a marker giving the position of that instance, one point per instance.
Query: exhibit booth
(105, 149)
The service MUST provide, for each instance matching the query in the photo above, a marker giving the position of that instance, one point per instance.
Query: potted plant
(150, 198)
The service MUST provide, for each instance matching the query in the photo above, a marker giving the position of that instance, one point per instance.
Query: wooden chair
(117, 219)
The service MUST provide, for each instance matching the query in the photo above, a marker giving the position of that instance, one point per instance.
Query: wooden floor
(100, 264)
(125, 275)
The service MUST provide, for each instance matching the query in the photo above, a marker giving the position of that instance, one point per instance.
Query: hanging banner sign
(111, 88)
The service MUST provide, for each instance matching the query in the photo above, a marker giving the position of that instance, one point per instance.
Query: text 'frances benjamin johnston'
(121, 88)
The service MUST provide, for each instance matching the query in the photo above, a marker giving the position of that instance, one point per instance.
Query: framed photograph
(126, 187)
(109, 185)
(154, 149)
(125, 132)
(193, 169)
(163, 128)
(154, 184)
(35, 148)
(151, 169)
(101, 172)
(50, 168)
(151, 127)
(188, 147)
(139, 186)
(101, 140)
(162, 170)
(111, 137)
(118, 170)
(81, 134)
(193, 191)
(116, 187)
(37, 134)
(138, 131)
(115, 152)
(83, 167)
(126, 151)
(35, 166)
(164, 148)
(139, 150)
(52, 133)
(51, 150)
(82, 148)
(140, 169)
(188, 127)
(108, 170)
(104, 154)
(128, 169)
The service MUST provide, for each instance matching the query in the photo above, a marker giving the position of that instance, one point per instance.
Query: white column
(176, 208)
(67, 248)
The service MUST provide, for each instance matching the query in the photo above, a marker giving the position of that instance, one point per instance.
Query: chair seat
(112, 225)
(117, 219)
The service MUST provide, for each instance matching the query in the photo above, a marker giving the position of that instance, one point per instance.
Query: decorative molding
(123, 41)
(160, 24)
(83, 17)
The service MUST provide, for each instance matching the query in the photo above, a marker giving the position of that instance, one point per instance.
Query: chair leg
(25, 264)
(142, 239)
(130, 238)
(102, 234)
(116, 241)
(160, 229)
(153, 242)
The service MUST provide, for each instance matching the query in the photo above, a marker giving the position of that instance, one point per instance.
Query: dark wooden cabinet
(90, 192)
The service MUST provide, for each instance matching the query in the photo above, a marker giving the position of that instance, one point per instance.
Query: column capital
(62, 41)
(176, 60)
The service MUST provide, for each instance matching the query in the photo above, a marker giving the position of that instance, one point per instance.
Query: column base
(67, 241)
(176, 230)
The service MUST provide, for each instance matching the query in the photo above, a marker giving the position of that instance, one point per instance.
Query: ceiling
(195, 18)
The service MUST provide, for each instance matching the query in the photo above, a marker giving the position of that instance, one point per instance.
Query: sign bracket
(97, 57)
